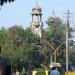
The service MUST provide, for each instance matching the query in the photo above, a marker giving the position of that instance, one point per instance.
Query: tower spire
(36, 3)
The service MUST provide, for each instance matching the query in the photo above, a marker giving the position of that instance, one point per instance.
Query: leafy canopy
(5, 1)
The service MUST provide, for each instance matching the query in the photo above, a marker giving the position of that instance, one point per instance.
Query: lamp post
(54, 49)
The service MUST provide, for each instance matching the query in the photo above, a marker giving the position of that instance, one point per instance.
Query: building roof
(36, 9)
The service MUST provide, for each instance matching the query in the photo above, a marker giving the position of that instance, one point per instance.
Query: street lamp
(54, 49)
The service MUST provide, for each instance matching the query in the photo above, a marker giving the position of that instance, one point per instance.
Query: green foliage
(55, 31)
(5, 1)
(22, 72)
(2, 36)
(19, 46)
(40, 71)
(72, 59)
(56, 36)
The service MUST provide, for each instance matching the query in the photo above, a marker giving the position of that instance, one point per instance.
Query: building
(36, 24)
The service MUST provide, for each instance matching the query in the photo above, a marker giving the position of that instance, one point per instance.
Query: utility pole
(67, 32)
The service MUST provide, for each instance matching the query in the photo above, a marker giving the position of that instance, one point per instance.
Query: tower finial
(53, 13)
(36, 3)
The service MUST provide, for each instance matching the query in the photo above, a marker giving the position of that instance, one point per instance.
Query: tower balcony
(36, 13)
(36, 24)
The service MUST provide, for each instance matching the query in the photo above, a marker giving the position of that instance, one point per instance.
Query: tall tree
(14, 45)
(56, 29)
(55, 32)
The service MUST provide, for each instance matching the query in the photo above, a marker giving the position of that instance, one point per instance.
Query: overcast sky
(19, 12)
